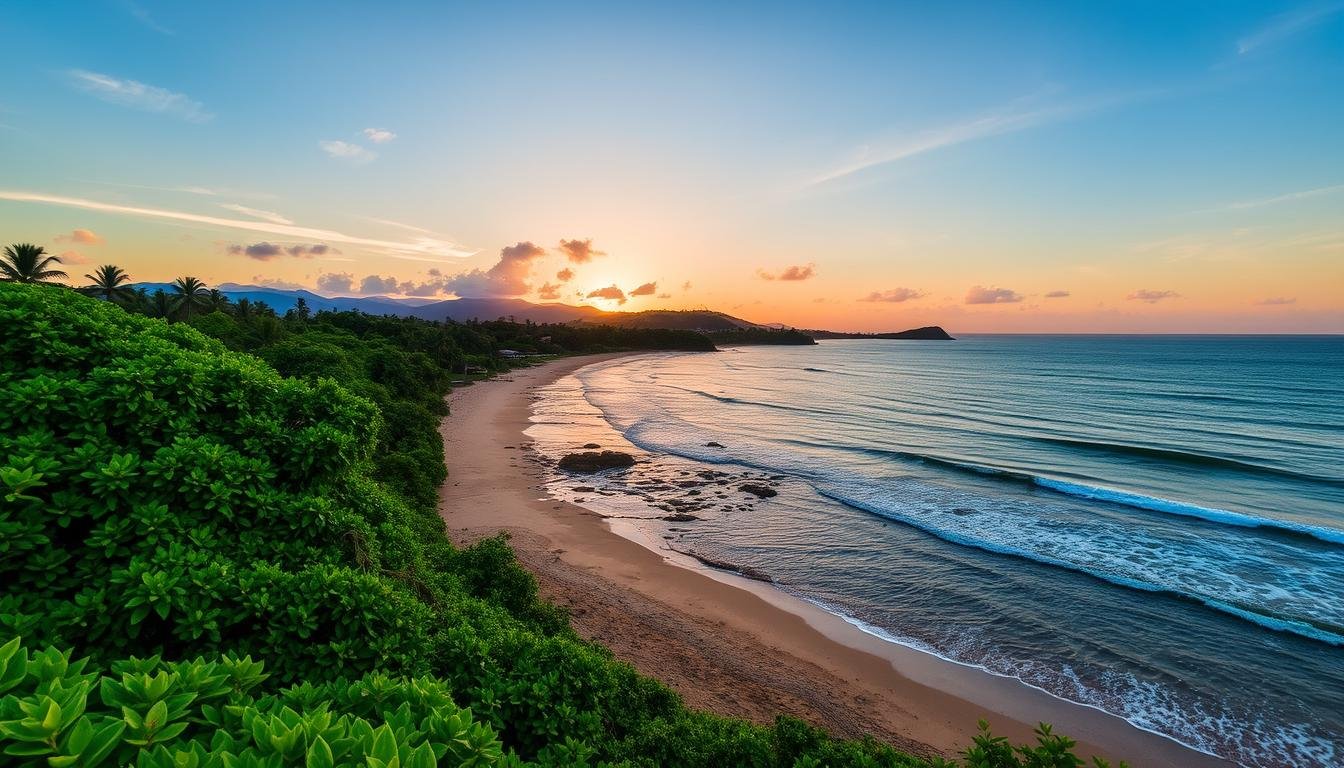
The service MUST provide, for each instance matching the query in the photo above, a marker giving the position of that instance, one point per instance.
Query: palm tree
(216, 301)
(188, 294)
(27, 263)
(242, 309)
(107, 283)
(160, 304)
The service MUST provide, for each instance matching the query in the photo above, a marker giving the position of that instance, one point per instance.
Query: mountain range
(284, 299)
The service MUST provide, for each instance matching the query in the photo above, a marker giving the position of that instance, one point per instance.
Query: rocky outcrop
(588, 462)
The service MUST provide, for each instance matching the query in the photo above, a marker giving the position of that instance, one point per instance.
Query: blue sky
(1109, 151)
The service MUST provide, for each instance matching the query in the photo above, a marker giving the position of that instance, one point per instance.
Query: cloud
(1285, 198)
(579, 251)
(336, 282)
(1009, 119)
(1285, 25)
(508, 277)
(565, 275)
(309, 251)
(549, 292)
(1057, 295)
(427, 288)
(894, 295)
(664, 295)
(610, 293)
(399, 225)
(376, 284)
(141, 15)
(647, 289)
(379, 135)
(258, 251)
(1277, 301)
(1152, 297)
(137, 95)
(275, 282)
(255, 213)
(421, 249)
(982, 295)
(74, 257)
(344, 150)
(791, 274)
(266, 251)
(83, 236)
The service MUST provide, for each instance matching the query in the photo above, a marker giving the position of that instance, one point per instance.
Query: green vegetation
(28, 263)
(245, 555)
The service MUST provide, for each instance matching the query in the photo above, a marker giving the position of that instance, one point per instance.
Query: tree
(300, 311)
(107, 283)
(189, 294)
(216, 301)
(243, 309)
(28, 263)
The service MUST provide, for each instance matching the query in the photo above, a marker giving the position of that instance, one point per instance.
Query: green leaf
(319, 755)
(104, 740)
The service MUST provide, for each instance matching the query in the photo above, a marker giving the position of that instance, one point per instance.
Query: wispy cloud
(1285, 25)
(1018, 116)
(138, 95)
(982, 295)
(141, 15)
(790, 274)
(265, 251)
(344, 150)
(83, 236)
(894, 296)
(1291, 196)
(399, 225)
(256, 213)
(379, 135)
(420, 249)
(1151, 296)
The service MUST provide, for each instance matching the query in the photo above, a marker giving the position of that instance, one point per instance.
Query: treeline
(761, 336)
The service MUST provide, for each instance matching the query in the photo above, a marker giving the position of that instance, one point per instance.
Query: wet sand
(728, 644)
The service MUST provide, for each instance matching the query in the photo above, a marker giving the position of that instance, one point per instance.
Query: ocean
(1153, 526)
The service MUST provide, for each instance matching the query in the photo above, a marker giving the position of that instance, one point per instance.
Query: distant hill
(926, 333)
(727, 328)
(681, 320)
(283, 299)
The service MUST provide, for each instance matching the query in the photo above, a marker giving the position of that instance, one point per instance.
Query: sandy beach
(725, 643)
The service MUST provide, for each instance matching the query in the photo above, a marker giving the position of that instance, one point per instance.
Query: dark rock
(583, 489)
(680, 517)
(712, 444)
(592, 461)
(591, 446)
(756, 489)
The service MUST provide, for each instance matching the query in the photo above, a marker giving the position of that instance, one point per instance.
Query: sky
(1008, 167)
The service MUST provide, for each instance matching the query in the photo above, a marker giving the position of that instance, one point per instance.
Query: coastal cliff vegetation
(219, 546)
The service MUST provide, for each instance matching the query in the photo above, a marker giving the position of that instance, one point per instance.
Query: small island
(926, 333)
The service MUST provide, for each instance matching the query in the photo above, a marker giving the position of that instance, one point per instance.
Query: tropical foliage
(109, 282)
(182, 514)
(28, 263)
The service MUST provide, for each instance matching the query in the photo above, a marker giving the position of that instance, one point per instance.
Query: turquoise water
(1150, 525)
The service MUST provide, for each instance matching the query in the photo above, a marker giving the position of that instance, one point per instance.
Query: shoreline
(726, 643)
